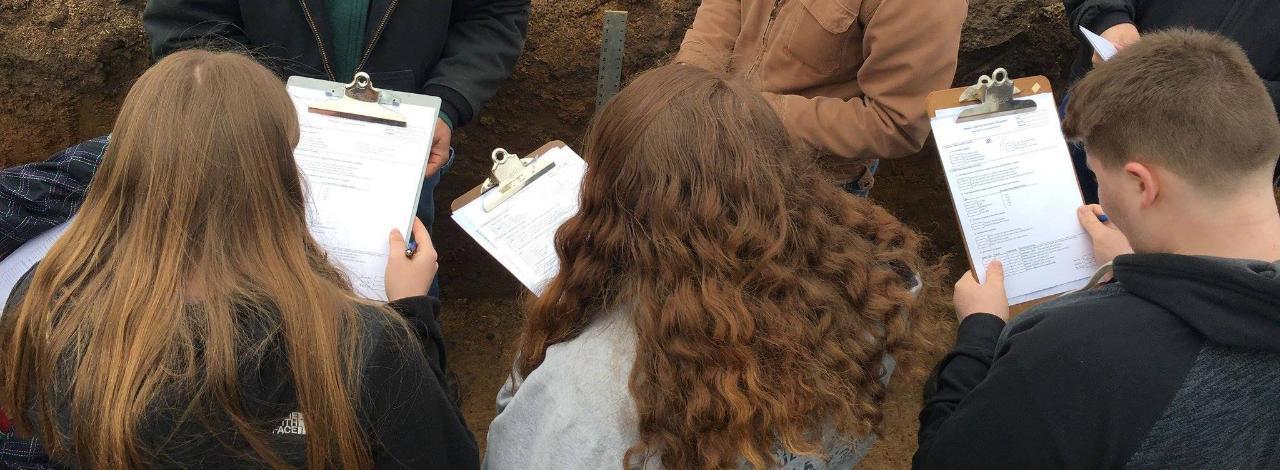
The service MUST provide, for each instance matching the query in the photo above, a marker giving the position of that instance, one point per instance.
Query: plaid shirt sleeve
(38, 196)
(23, 454)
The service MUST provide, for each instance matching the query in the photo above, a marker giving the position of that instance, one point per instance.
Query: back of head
(763, 297)
(1184, 100)
(189, 258)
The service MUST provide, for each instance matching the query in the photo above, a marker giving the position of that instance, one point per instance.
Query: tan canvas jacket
(848, 77)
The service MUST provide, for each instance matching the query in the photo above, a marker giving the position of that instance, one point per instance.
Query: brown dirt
(65, 64)
(64, 67)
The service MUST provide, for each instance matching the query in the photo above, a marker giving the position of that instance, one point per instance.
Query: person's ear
(1145, 181)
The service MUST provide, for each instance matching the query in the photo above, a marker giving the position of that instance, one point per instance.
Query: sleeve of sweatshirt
(982, 415)
(1098, 15)
(710, 40)
(908, 52)
(37, 196)
(423, 315)
(413, 422)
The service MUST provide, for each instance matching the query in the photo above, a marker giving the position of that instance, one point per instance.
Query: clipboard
(365, 150)
(515, 214)
(359, 100)
(977, 94)
(510, 173)
(996, 95)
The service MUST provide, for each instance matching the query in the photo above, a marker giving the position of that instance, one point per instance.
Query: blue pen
(1103, 218)
(413, 246)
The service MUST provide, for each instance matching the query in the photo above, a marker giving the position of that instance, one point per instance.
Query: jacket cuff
(1105, 21)
(420, 306)
(978, 333)
(454, 107)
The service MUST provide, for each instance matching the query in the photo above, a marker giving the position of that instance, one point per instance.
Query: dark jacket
(406, 413)
(1255, 24)
(458, 50)
(1174, 365)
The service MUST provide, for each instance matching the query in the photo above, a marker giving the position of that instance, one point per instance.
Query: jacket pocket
(820, 34)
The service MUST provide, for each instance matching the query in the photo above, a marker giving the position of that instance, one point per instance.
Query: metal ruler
(611, 44)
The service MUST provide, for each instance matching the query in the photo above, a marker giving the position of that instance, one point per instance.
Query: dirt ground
(65, 65)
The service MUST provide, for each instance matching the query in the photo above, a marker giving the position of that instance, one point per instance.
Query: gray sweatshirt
(575, 411)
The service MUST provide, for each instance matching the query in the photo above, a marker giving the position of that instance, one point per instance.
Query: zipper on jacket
(315, 32)
(764, 42)
(377, 33)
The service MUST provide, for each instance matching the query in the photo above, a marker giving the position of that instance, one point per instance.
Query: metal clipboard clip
(362, 102)
(510, 174)
(996, 93)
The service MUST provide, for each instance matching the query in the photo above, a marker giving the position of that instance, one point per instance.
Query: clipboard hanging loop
(361, 88)
(996, 91)
(510, 174)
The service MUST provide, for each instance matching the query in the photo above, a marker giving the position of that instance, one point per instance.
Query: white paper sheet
(520, 232)
(1012, 182)
(363, 179)
(14, 266)
(1105, 49)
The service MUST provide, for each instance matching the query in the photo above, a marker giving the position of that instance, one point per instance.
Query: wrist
(1105, 21)
(979, 332)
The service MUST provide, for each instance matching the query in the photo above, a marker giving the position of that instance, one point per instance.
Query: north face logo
(293, 425)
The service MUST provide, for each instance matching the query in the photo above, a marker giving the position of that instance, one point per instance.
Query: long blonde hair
(189, 262)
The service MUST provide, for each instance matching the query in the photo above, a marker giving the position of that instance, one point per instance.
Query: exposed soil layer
(65, 65)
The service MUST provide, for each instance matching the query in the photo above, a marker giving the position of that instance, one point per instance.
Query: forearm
(908, 52)
(485, 40)
(960, 371)
(857, 129)
(710, 40)
(37, 196)
(1098, 15)
(422, 313)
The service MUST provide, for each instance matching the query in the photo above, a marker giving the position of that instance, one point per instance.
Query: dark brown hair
(192, 235)
(763, 297)
(1184, 99)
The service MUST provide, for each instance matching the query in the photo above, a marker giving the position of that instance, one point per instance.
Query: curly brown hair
(764, 298)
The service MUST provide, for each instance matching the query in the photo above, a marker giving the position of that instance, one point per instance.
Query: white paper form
(520, 232)
(363, 179)
(1105, 49)
(1012, 182)
(14, 266)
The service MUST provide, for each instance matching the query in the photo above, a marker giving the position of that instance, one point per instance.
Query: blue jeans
(1087, 180)
(855, 187)
(427, 210)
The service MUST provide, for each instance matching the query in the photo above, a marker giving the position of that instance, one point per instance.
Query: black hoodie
(1176, 364)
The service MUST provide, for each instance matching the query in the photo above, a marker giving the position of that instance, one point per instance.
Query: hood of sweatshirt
(1232, 302)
